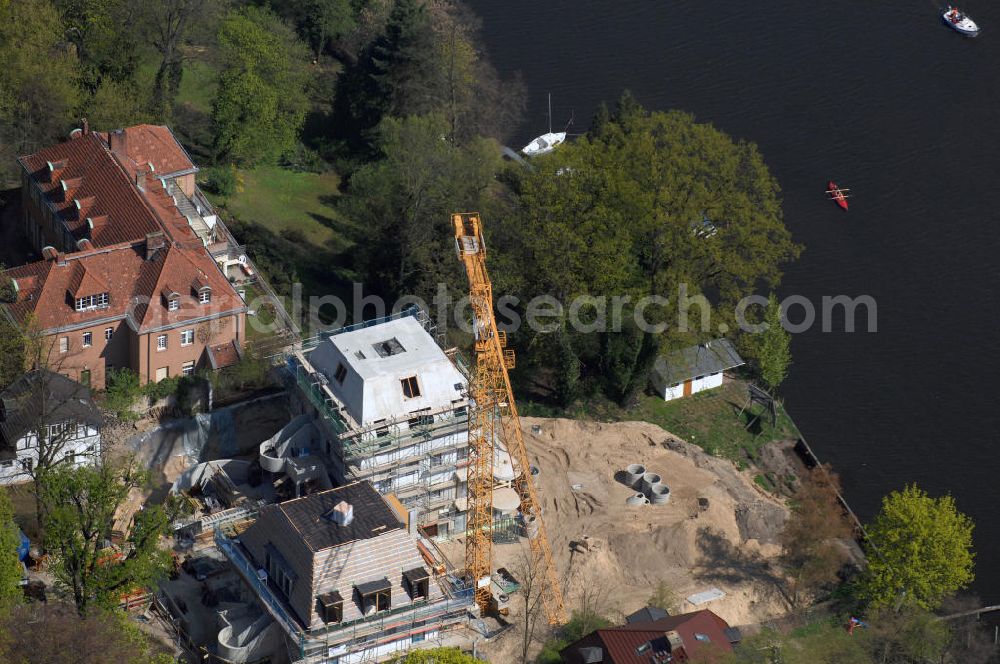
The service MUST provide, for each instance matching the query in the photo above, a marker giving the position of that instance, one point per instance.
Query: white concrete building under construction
(393, 409)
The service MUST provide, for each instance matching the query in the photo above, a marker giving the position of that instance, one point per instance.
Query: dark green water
(886, 100)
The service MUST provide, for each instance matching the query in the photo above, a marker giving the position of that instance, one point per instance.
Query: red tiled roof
(223, 355)
(621, 644)
(156, 145)
(94, 177)
(134, 286)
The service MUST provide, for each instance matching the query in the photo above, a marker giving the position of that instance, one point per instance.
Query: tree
(10, 566)
(80, 506)
(59, 636)
(812, 551)
(260, 105)
(664, 597)
(821, 643)
(166, 25)
(529, 571)
(103, 32)
(116, 104)
(38, 80)
(647, 204)
(405, 201)
(770, 349)
(435, 656)
(318, 22)
(911, 636)
(396, 75)
(919, 551)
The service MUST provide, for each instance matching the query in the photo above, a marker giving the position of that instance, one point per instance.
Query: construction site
(391, 497)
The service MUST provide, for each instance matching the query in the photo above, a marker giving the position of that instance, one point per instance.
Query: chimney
(675, 640)
(342, 514)
(85, 126)
(118, 144)
(140, 176)
(154, 242)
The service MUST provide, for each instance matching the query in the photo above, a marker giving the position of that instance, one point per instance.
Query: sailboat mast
(550, 112)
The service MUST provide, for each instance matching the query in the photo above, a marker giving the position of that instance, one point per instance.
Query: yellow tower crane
(494, 420)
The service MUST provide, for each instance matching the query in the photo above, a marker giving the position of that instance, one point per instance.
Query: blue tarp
(22, 548)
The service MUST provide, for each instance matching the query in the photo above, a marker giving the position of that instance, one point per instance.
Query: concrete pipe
(648, 480)
(637, 499)
(633, 474)
(659, 494)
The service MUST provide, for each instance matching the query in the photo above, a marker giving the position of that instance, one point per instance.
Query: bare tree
(45, 407)
(529, 572)
(167, 24)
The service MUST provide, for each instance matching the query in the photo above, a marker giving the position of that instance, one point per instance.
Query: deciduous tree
(436, 656)
(10, 566)
(919, 551)
(405, 200)
(80, 506)
(260, 104)
(38, 79)
(769, 350)
(812, 552)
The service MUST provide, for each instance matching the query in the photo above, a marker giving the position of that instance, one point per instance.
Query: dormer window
(173, 304)
(205, 295)
(91, 302)
(410, 386)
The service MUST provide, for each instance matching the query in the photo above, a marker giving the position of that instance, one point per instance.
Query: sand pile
(719, 529)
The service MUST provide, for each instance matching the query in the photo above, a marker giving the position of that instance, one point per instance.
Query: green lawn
(198, 85)
(709, 419)
(283, 200)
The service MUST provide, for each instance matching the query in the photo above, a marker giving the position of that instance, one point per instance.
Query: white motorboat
(544, 143)
(960, 22)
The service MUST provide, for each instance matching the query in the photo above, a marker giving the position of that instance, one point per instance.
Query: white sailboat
(546, 142)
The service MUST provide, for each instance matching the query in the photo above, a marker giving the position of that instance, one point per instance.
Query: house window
(7, 463)
(173, 304)
(410, 387)
(187, 337)
(188, 368)
(70, 459)
(331, 607)
(108, 333)
(417, 583)
(162, 373)
(161, 342)
(374, 596)
(88, 339)
(205, 296)
(340, 374)
(88, 302)
(85, 377)
(28, 464)
(63, 344)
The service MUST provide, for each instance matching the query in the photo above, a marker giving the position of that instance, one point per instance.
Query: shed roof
(704, 359)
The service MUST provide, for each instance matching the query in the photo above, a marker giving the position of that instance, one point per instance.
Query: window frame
(412, 385)
(88, 339)
(108, 333)
(161, 342)
(173, 304)
(187, 369)
(63, 344)
(189, 335)
(205, 296)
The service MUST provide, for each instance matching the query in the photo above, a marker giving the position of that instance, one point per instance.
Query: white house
(61, 408)
(395, 407)
(693, 369)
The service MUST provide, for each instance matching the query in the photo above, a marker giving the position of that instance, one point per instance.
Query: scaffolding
(415, 457)
(355, 636)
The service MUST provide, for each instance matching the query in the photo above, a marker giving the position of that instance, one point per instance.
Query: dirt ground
(728, 544)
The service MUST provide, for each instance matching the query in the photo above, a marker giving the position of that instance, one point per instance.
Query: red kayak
(837, 194)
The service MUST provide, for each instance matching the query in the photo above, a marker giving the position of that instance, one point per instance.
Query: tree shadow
(723, 562)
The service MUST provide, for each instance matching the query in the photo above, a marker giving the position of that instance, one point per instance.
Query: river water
(884, 99)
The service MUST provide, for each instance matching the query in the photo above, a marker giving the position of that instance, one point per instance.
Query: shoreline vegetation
(336, 138)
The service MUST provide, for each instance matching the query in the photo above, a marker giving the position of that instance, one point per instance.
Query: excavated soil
(719, 530)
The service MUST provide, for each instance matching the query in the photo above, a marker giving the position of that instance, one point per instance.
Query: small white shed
(693, 369)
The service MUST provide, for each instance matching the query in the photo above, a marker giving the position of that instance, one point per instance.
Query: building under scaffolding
(393, 408)
(344, 577)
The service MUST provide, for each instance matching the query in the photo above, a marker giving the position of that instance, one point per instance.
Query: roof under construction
(309, 516)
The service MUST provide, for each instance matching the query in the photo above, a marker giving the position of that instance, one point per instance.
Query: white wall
(86, 437)
(698, 385)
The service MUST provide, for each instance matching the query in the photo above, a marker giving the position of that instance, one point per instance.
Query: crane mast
(494, 419)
